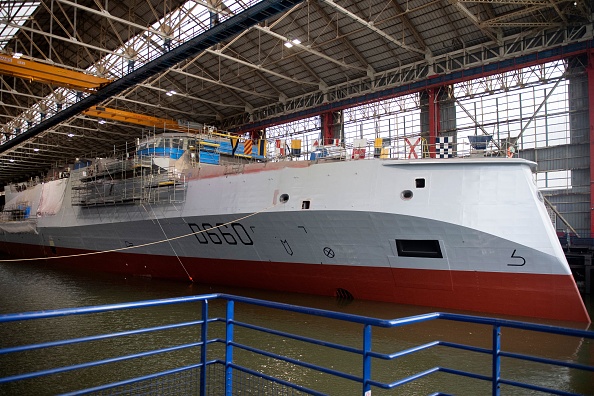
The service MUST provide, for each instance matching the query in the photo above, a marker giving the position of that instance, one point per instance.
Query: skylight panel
(12, 17)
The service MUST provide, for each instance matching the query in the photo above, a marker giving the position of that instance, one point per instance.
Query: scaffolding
(126, 181)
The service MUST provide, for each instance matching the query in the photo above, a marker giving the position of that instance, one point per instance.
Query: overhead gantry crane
(41, 72)
(107, 113)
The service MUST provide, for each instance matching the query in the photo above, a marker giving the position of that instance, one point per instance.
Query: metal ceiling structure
(244, 65)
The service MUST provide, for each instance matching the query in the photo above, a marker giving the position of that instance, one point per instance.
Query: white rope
(138, 246)
(170, 244)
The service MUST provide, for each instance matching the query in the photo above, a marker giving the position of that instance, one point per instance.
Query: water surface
(38, 286)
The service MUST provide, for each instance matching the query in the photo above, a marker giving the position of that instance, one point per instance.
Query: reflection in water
(33, 287)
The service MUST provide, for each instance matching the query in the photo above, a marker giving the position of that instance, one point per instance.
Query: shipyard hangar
(81, 79)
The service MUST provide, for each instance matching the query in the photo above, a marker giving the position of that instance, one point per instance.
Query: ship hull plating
(458, 234)
(530, 295)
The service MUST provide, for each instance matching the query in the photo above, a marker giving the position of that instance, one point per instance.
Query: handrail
(230, 345)
(54, 313)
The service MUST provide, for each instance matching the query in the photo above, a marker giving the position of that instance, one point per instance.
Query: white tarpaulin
(19, 227)
(52, 196)
(26, 197)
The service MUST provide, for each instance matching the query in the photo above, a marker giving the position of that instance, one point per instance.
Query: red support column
(433, 121)
(327, 127)
(590, 69)
(256, 134)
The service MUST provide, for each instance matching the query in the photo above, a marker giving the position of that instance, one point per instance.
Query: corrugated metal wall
(572, 203)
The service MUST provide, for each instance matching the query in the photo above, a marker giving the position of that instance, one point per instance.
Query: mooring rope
(170, 244)
(141, 245)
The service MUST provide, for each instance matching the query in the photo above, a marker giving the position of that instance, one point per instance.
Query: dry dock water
(34, 286)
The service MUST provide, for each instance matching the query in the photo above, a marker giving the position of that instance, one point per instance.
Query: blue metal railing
(221, 351)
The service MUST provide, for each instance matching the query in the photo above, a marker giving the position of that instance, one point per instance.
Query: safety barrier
(217, 365)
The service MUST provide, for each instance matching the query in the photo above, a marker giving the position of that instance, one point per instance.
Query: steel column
(590, 71)
(433, 124)
(327, 121)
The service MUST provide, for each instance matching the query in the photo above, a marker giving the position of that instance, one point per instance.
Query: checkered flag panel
(443, 147)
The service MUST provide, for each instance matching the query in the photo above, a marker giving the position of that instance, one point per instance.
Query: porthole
(420, 183)
(305, 205)
(284, 198)
(406, 195)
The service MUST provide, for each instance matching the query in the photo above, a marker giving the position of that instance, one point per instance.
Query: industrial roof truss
(78, 77)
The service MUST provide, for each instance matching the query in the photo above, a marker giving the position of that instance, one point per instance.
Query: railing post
(496, 375)
(204, 334)
(229, 348)
(366, 360)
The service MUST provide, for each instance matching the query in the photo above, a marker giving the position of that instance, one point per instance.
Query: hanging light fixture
(291, 42)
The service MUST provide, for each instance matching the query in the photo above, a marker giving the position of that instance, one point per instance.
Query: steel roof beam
(395, 87)
(514, 14)
(232, 93)
(160, 107)
(215, 113)
(343, 38)
(373, 28)
(70, 40)
(258, 67)
(475, 20)
(268, 83)
(446, 15)
(105, 14)
(221, 84)
(513, 2)
(227, 45)
(223, 31)
(12, 92)
(187, 96)
(267, 30)
(409, 25)
(19, 159)
(15, 107)
(310, 70)
(561, 15)
(85, 120)
(540, 25)
(101, 139)
(40, 153)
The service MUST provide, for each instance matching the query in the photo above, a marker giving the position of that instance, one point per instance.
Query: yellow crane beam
(129, 117)
(132, 118)
(35, 71)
